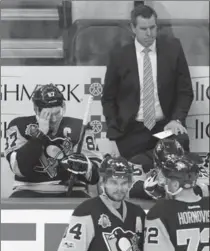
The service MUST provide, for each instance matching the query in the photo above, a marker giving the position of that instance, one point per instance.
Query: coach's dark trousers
(138, 139)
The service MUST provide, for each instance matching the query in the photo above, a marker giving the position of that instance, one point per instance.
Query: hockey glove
(152, 186)
(77, 163)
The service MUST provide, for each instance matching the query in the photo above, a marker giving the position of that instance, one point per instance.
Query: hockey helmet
(116, 167)
(184, 168)
(47, 96)
(164, 148)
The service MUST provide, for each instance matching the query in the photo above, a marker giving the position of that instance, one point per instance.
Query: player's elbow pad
(28, 156)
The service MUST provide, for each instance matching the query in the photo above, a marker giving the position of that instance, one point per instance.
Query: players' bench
(88, 42)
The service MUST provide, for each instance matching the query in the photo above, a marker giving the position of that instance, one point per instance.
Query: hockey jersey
(95, 225)
(47, 174)
(173, 225)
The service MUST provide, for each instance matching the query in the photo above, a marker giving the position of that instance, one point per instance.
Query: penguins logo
(56, 150)
(96, 126)
(95, 89)
(121, 240)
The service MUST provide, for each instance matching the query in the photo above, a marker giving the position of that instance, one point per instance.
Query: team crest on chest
(56, 150)
(104, 221)
(59, 147)
(121, 240)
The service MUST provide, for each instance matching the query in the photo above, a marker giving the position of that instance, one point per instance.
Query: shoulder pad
(21, 123)
(15, 133)
(206, 201)
(86, 207)
(72, 127)
(72, 121)
(158, 210)
(136, 209)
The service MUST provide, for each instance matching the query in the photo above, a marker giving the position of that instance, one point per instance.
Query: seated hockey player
(146, 186)
(180, 223)
(164, 149)
(40, 150)
(107, 222)
(142, 171)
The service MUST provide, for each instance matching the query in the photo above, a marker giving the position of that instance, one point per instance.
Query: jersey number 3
(194, 236)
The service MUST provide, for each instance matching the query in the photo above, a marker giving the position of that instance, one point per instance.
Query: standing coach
(147, 88)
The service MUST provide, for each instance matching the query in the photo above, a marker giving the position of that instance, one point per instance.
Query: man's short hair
(144, 11)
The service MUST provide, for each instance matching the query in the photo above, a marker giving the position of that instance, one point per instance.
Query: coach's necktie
(148, 92)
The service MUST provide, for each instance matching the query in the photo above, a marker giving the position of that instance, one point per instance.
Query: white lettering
(201, 216)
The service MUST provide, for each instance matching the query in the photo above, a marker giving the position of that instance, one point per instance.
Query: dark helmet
(166, 147)
(47, 96)
(184, 168)
(116, 167)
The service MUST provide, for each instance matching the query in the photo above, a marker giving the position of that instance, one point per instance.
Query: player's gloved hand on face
(44, 120)
(77, 163)
(152, 187)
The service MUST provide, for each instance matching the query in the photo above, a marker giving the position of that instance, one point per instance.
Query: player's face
(56, 117)
(116, 188)
(145, 30)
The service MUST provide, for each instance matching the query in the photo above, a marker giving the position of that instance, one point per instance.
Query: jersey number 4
(76, 231)
(194, 236)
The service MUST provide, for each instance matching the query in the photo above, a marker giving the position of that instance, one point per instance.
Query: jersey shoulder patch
(21, 123)
(85, 208)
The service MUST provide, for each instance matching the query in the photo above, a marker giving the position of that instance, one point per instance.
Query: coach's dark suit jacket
(121, 93)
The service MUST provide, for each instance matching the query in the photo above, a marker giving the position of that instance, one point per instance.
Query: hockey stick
(80, 143)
